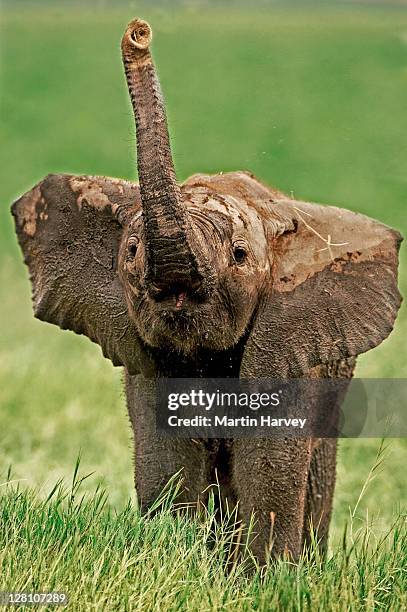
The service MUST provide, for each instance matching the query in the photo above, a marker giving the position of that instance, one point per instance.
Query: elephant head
(217, 260)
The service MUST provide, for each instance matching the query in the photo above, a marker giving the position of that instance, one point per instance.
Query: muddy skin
(221, 276)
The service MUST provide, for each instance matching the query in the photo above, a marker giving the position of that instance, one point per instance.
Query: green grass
(311, 101)
(111, 560)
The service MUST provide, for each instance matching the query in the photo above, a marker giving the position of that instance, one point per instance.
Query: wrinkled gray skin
(219, 277)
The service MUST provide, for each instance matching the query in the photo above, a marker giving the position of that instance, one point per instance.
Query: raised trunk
(170, 259)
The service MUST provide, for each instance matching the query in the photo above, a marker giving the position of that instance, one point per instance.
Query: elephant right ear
(333, 292)
(69, 229)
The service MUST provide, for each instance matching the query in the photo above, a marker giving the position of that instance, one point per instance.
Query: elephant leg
(320, 491)
(158, 458)
(322, 473)
(270, 479)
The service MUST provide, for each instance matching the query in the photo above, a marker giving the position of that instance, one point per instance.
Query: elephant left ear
(70, 229)
(333, 290)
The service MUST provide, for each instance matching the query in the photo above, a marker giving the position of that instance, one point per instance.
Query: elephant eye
(132, 245)
(239, 254)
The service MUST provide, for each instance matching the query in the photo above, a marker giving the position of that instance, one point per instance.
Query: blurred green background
(311, 99)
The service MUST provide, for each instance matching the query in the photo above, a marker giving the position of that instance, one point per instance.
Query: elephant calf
(221, 276)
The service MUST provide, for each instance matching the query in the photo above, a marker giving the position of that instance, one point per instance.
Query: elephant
(221, 276)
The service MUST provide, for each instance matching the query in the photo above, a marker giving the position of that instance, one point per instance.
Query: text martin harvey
(225, 421)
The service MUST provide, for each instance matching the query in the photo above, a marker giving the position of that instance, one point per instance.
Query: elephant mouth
(174, 318)
(178, 299)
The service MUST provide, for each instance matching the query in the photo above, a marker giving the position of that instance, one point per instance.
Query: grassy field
(310, 101)
(108, 560)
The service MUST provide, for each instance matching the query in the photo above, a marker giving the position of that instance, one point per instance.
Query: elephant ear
(69, 229)
(333, 291)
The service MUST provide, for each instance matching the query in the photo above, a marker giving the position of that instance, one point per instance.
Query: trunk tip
(138, 35)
